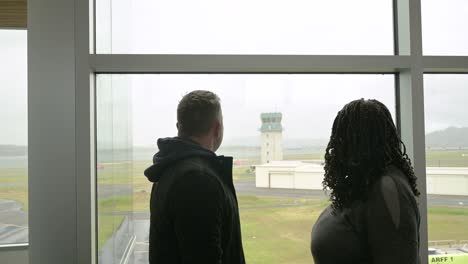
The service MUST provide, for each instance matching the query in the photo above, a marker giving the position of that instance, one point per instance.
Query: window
(13, 138)
(187, 39)
(447, 162)
(276, 222)
(444, 27)
(245, 27)
(114, 168)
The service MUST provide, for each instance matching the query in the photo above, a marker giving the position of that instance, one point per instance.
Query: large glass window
(444, 26)
(13, 138)
(302, 104)
(447, 164)
(114, 169)
(244, 27)
(276, 217)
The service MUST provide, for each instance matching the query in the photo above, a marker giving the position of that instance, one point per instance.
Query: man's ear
(217, 128)
(177, 125)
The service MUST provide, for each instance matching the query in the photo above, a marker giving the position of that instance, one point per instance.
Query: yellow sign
(449, 258)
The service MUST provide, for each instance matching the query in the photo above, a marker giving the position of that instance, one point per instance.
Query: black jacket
(194, 211)
(382, 229)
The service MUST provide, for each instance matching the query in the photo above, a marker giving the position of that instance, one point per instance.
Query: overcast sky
(308, 102)
(13, 87)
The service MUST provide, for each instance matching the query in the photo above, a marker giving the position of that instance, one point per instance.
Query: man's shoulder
(194, 176)
(193, 165)
(190, 169)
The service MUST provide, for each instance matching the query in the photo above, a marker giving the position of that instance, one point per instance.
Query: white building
(308, 175)
(447, 180)
(289, 175)
(271, 137)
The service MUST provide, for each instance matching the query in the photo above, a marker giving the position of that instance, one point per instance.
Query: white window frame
(62, 67)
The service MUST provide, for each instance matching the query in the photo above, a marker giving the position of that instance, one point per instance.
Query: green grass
(448, 211)
(280, 235)
(116, 204)
(242, 170)
(19, 194)
(310, 156)
(434, 158)
(270, 235)
(448, 223)
(243, 173)
(107, 225)
(14, 185)
(446, 158)
(14, 175)
(139, 202)
(283, 235)
(246, 200)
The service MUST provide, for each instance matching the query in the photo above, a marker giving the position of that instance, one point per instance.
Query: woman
(373, 217)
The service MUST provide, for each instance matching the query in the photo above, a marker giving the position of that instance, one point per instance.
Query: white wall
(261, 177)
(289, 175)
(311, 180)
(279, 175)
(16, 255)
(272, 147)
(442, 181)
(282, 180)
(447, 181)
(60, 134)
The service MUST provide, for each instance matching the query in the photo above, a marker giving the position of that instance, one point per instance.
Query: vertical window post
(410, 91)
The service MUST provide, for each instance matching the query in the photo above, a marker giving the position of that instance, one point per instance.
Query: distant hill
(13, 150)
(452, 137)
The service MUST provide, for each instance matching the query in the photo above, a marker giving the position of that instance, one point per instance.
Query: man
(194, 211)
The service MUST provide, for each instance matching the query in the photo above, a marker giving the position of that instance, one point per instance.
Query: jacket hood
(172, 150)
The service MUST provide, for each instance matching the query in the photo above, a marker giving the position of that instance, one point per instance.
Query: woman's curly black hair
(364, 142)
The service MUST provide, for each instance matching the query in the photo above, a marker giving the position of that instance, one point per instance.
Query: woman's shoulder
(391, 183)
(393, 193)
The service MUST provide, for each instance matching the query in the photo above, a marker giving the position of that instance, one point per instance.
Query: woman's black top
(383, 229)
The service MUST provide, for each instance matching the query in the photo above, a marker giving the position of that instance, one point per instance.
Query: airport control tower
(272, 137)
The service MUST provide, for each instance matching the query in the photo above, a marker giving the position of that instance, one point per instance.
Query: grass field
(282, 235)
(108, 224)
(279, 235)
(270, 235)
(434, 158)
(447, 158)
(14, 185)
(311, 156)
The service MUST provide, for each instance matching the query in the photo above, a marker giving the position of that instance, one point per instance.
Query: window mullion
(411, 100)
(445, 64)
(248, 63)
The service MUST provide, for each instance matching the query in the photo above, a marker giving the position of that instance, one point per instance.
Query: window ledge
(14, 246)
